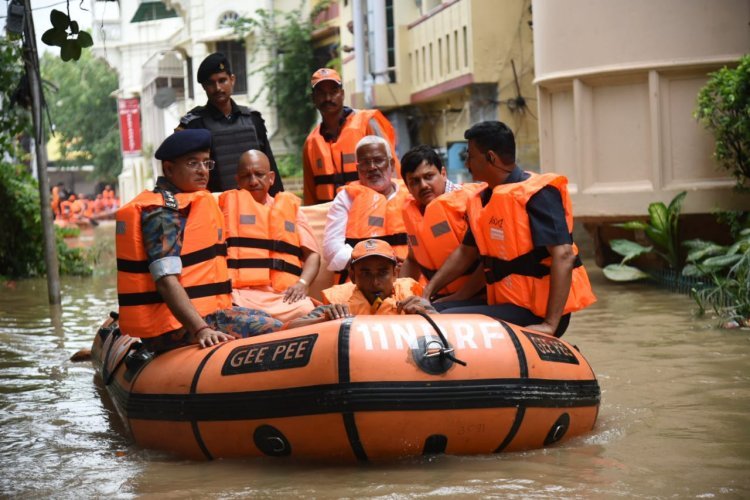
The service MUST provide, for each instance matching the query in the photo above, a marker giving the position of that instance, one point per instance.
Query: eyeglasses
(380, 163)
(196, 164)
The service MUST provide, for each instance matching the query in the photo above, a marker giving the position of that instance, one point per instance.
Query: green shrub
(726, 273)
(724, 109)
(662, 229)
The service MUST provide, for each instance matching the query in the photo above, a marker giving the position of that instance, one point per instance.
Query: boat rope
(445, 351)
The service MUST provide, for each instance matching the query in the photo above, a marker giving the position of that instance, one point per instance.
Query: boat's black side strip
(523, 366)
(193, 386)
(366, 396)
(523, 373)
(350, 423)
(520, 412)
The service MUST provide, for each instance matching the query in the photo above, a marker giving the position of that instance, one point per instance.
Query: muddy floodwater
(674, 419)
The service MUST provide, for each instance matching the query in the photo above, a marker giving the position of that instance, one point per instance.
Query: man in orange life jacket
(273, 253)
(521, 225)
(369, 208)
(328, 156)
(435, 220)
(234, 128)
(375, 288)
(172, 281)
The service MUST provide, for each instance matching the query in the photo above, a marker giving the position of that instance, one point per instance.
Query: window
(227, 17)
(235, 52)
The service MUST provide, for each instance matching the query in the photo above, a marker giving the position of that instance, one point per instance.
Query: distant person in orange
(273, 255)
(79, 207)
(375, 288)
(328, 156)
(57, 193)
(98, 204)
(66, 208)
(109, 197)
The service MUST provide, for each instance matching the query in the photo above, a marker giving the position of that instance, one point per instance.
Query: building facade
(617, 86)
(156, 47)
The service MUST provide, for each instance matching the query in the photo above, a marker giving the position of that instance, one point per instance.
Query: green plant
(662, 229)
(724, 109)
(289, 165)
(726, 273)
(65, 34)
(287, 39)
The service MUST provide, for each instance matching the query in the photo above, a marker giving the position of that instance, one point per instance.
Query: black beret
(214, 63)
(183, 142)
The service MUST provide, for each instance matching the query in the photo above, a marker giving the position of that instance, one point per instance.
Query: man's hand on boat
(415, 304)
(208, 337)
(337, 311)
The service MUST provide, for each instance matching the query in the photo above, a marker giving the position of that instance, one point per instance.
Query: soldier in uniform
(234, 129)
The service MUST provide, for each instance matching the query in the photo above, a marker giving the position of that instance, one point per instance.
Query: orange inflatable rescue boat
(365, 388)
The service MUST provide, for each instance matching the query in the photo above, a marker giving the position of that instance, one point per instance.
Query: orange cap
(325, 74)
(373, 248)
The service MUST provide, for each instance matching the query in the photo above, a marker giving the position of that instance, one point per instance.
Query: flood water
(674, 419)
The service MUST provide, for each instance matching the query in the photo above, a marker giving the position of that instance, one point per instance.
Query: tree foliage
(83, 113)
(724, 109)
(15, 120)
(287, 38)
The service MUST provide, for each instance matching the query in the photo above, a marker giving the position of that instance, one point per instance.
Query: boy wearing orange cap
(375, 288)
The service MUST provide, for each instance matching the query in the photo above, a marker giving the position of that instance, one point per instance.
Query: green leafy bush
(724, 109)
(662, 229)
(726, 270)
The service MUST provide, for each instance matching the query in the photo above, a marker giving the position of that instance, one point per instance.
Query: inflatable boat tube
(366, 388)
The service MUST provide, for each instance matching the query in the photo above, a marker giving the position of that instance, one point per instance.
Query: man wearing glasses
(328, 158)
(172, 280)
(369, 208)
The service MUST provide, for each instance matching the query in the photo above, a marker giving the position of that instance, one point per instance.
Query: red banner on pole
(130, 125)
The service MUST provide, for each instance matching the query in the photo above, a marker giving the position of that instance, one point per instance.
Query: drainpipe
(359, 49)
(377, 37)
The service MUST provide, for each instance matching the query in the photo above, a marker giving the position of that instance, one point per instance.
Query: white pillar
(378, 41)
(360, 55)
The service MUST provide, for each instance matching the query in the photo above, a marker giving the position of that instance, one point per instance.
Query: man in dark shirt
(234, 129)
(521, 227)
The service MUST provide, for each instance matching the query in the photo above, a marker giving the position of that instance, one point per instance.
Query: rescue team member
(172, 280)
(58, 194)
(328, 157)
(374, 289)
(369, 208)
(435, 220)
(234, 129)
(273, 255)
(67, 208)
(521, 225)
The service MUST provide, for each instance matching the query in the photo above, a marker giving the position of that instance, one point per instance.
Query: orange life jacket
(349, 294)
(66, 210)
(55, 202)
(333, 164)
(143, 313)
(434, 235)
(372, 215)
(263, 244)
(515, 270)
